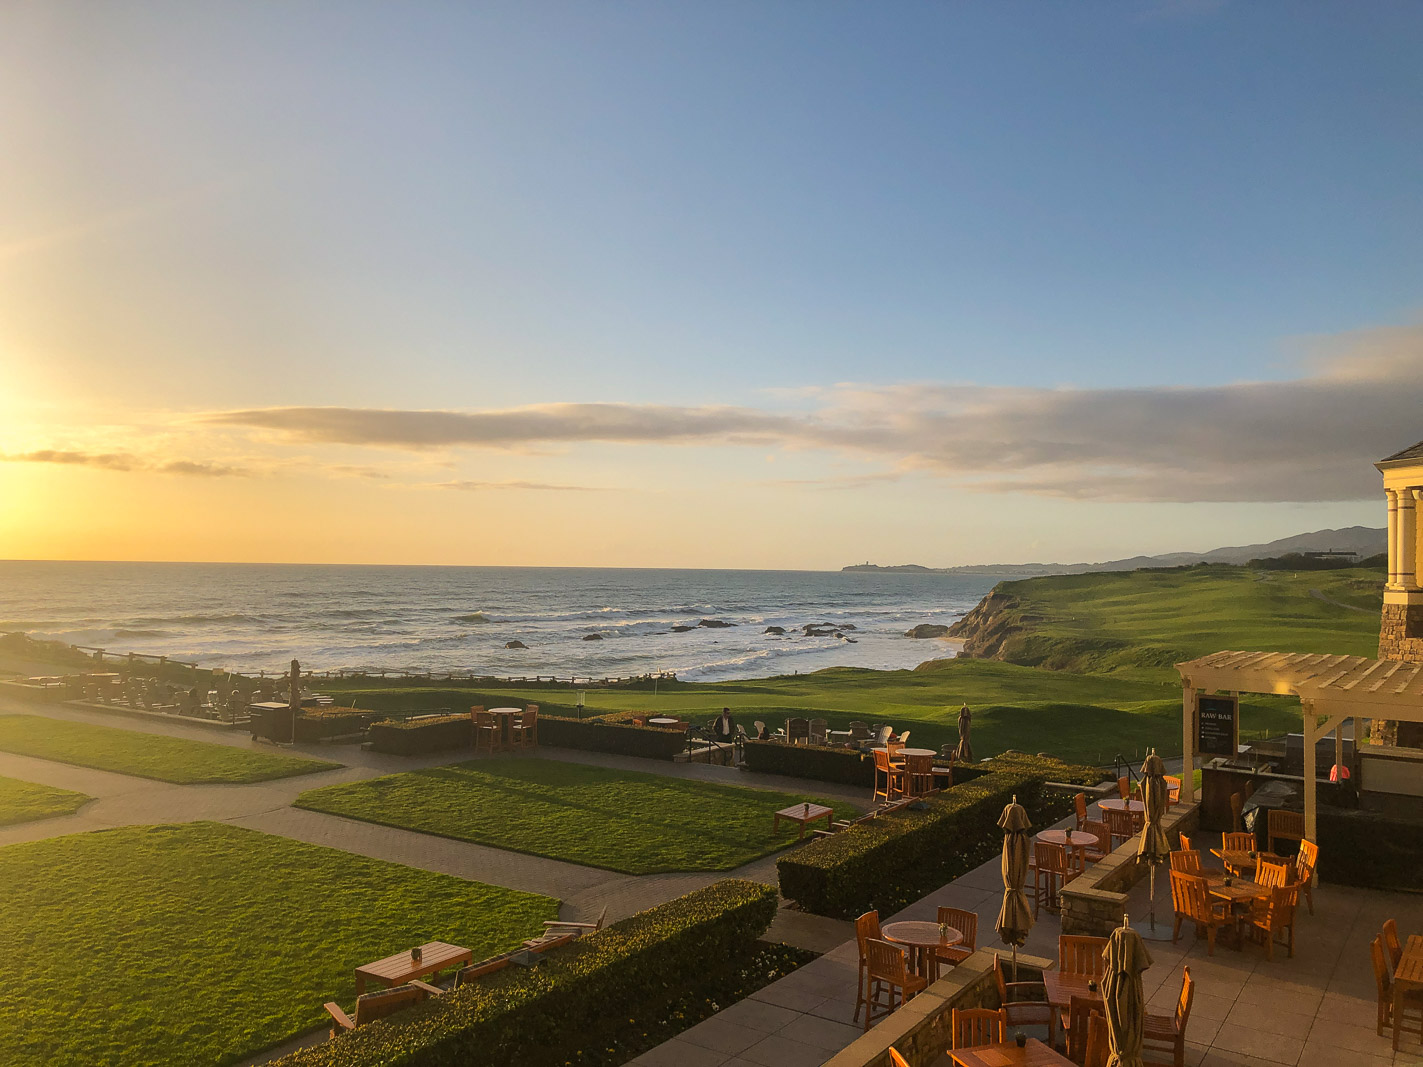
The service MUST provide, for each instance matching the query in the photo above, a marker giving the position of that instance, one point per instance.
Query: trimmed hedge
(601, 735)
(427, 735)
(915, 850)
(578, 997)
(844, 766)
(315, 723)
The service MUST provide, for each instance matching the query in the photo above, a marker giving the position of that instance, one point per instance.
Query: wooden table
(1244, 861)
(1136, 807)
(1008, 1054)
(909, 751)
(1062, 986)
(505, 717)
(1239, 891)
(400, 968)
(803, 814)
(663, 721)
(1407, 978)
(923, 940)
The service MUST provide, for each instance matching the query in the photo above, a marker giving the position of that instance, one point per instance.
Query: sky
(731, 284)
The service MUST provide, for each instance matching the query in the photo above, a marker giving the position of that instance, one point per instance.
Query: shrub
(604, 735)
(315, 723)
(579, 996)
(902, 856)
(411, 738)
(843, 765)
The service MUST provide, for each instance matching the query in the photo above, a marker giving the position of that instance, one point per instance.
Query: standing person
(725, 726)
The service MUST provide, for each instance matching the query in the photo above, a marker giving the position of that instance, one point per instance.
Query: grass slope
(205, 943)
(26, 801)
(167, 759)
(618, 820)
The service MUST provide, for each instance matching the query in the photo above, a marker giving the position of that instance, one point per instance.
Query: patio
(1313, 1010)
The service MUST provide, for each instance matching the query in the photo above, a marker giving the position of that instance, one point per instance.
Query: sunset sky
(721, 284)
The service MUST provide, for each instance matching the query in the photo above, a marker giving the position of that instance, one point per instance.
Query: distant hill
(1363, 541)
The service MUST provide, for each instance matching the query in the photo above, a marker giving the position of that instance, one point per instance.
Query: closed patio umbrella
(1125, 957)
(1153, 849)
(1014, 918)
(964, 753)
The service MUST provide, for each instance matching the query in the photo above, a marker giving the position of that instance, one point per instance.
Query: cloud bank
(124, 461)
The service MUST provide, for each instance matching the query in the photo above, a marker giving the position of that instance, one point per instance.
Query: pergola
(1330, 689)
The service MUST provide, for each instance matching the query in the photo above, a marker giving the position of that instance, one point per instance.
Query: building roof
(1334, 684)
(1411, 453)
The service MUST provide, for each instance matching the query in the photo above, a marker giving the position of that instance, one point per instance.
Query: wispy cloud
(476, 486)
(123, 461)
(1309, 438)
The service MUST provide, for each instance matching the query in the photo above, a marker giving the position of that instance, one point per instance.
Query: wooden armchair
(1283, 826)
(1102, 849)
(966, 923)
(1075, 1025)
(1078, 954)
(976, 1027)
(1167, 1033)
(1392, 943)
(1121, 825)
(1020, 1011)
(1098, 1043)
(1185, 842)
(1305, 862)
(525, 732)
(919, 770)
(819, 731)
(1271, 874)
(890, 981)
(379, 1005)
(1173, 791)
(1234, 842)
(798, 731)
(1273, 916)
(1192, 903)
(866, 930)
(1411, 1005)
(1188, 861)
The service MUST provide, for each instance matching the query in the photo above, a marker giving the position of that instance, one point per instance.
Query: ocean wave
(143, 633)
(474, 617)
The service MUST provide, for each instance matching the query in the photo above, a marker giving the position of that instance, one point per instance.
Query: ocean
(250, 617)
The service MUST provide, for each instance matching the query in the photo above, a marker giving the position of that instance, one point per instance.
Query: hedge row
(881, 862)
(315, 723)
(844, 766)
(411, 738)
(602, 735)
(578, 997)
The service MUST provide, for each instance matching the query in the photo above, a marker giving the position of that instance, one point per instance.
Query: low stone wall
(921, 1030)
(1093, 903)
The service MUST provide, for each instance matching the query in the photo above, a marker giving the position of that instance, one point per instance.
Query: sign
(1218, 726)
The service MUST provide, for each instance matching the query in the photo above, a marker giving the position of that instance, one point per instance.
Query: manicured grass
(168, 759)
(619, 820)
(25, 801)
(205, 943)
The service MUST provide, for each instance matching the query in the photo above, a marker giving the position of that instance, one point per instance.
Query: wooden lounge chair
(966, 923)
(1167, 1033)
(890, 981)
(866, 930)
(976, 1027)
(1191, 900)
(1020, 1011)
(549, 940)
(379, 1005)
(576, 929)
(476, 971)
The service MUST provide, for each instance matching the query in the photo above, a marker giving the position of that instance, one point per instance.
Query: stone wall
(1400, 637)
(922, 1030)
(1093, 903)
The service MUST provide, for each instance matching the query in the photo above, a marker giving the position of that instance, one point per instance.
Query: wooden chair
(1098, 1046)
(1167, 1033)
(1018, 1011)
(919, 773)
(1193, 903)
(976, 1027)
(966, 923)
(1392, 944)
(903, 739)
(1271, 874)
(1124, 788)
(1185, 842)
(1189, 862)
(1079, 805)
(558, 927)
(1103, 848)
(476, 971)
(859, 732)
(524, 733)
(866, 930)
(379, 1005)
(1237, 805)
(1120, 825)
(1080, 954)
(1075, 1026)
(890, 981)
(819, 731)
(895, 1059)
(1173, 791)
(798, 731)
(1305, 862)
(761, 734)
(891, 773)
(486, 730)
(550, 939)
(1050, 869)
(1270, 918)
(1383, 978)
(1283, 826)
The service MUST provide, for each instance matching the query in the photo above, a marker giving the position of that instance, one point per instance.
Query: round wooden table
(1136, 807)
(506, 720)
(662, 720)
(923, 941)
(1069, 838)
(910, 751)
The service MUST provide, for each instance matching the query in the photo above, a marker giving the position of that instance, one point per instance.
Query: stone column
(1392, 537)
(1407, 541)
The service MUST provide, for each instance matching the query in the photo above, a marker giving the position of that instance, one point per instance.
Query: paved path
(122, 800)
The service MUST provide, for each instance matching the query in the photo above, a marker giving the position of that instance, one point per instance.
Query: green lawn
(168, 759)
(619, 820)
(205, 943)
(24, 801)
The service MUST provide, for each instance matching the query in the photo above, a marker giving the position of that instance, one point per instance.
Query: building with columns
(1401, 627)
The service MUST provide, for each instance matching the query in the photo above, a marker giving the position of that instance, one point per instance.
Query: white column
(1407, 541)
(1417, 495)
(1392, 537)
(1310, 786)
(1188, 743)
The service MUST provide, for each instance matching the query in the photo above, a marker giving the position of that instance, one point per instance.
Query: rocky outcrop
(927, 629)
(682, 629)
(516, 644)
(714, 624)
(774, 630)
(988, 627)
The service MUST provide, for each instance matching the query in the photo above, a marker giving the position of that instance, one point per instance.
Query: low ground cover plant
(167, 759)
(25, 801)
(206, 943)
(619, 820)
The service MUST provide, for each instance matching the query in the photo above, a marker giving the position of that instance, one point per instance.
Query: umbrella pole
(1015, 963)
(1147, 930)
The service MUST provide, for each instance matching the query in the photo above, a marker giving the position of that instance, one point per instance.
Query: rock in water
(774, 630)
(592, 637)
(682, 629)
(715, 624)
(516, 644)
(927, 629)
